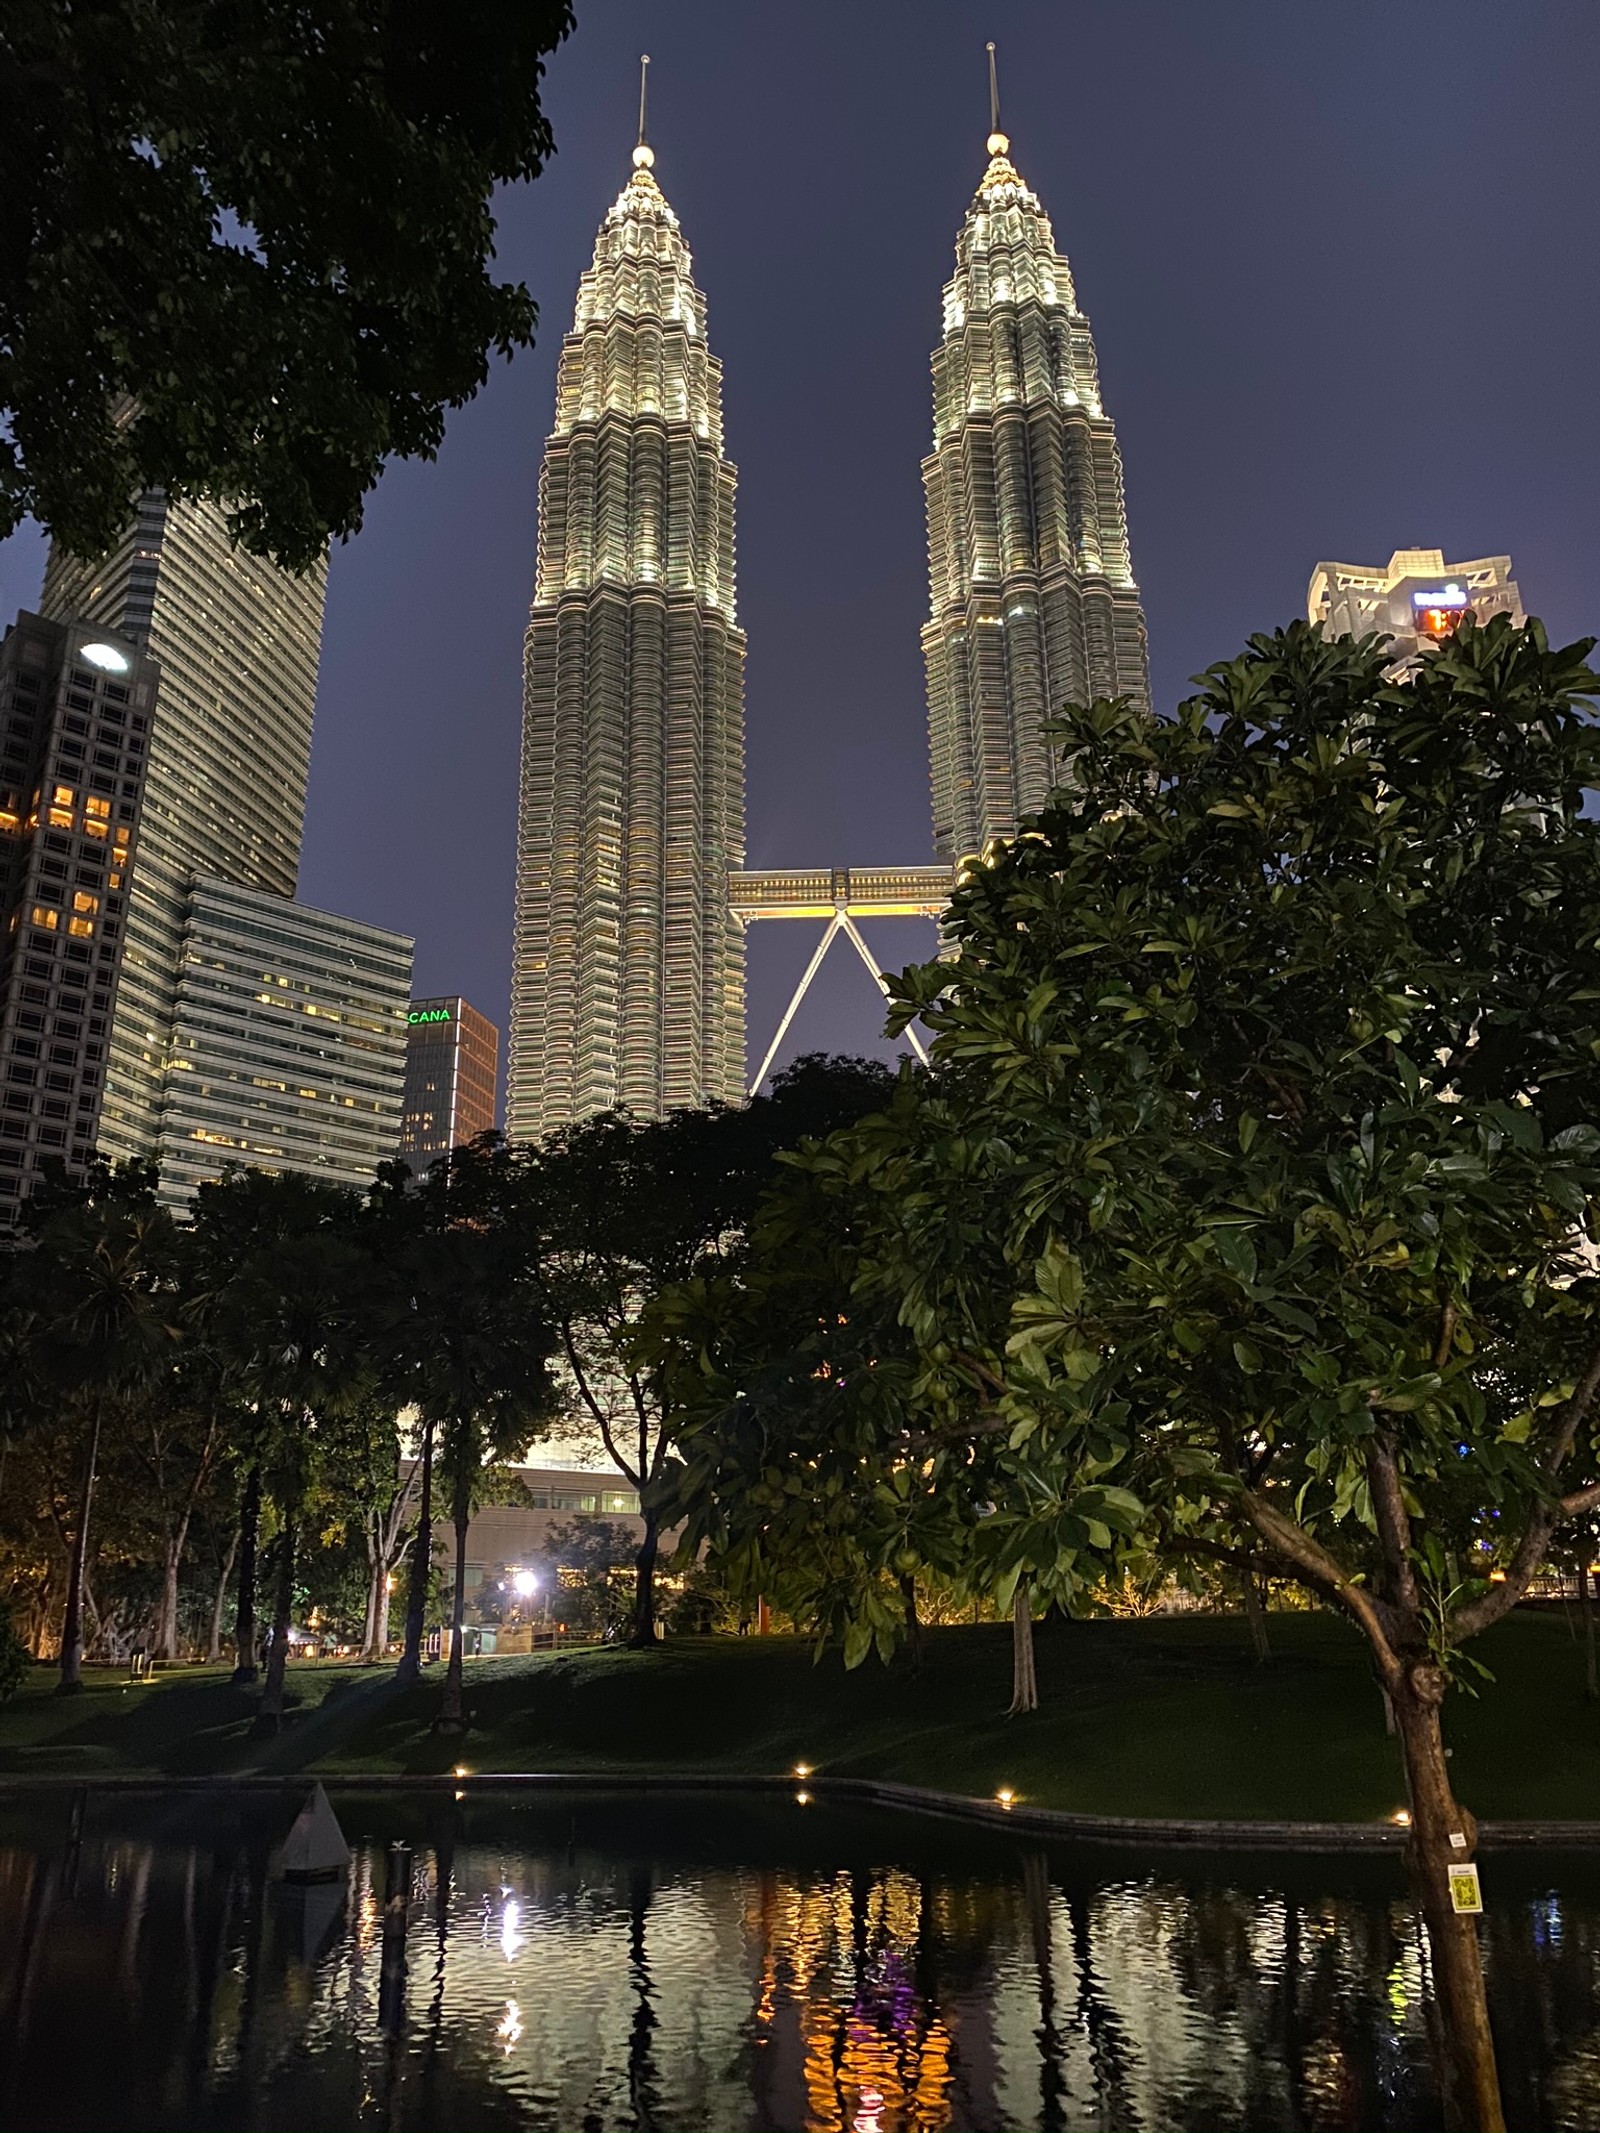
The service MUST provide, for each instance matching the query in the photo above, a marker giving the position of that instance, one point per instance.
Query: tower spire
(643, 154)
(997, 143)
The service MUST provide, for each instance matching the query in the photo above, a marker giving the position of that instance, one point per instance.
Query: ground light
(802, 1770)
(1401, 1818)
(461, 1771)
(1005, 1796)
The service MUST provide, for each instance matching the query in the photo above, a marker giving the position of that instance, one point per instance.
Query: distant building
(288, 1042)
(452, 1070)
(1416, 598)
(1033, 599)
(508, 1534)
(237, 642)
(76, 703)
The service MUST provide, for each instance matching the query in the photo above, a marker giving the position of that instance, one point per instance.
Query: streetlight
(525, 1584)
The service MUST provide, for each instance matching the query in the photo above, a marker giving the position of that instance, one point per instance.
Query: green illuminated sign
(428, 1014)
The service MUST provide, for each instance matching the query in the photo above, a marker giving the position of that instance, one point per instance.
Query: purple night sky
(1340, 266)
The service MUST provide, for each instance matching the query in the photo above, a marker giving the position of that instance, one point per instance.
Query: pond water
(583, 1962)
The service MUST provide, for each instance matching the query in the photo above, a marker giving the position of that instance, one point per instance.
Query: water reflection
(598, 1965)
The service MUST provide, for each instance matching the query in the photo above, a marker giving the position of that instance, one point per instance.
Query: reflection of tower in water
(836, 1986)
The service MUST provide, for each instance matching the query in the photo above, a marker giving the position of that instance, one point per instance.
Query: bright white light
(511, 1937)
(526, 1584)
(105, 656)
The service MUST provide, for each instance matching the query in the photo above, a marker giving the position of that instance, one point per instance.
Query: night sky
(1341, 267)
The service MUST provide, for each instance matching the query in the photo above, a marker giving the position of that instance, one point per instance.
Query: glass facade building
(237, 642)
(288, 1042)
(628, 970)
(76, 704)
(452, 1078)
(1033, 601)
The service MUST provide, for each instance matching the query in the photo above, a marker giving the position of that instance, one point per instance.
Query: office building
(288, 1042)
(1417, 598)
(1033, 601)
(237, 643)
(76, 703)
(628, 974)
(452, 1078)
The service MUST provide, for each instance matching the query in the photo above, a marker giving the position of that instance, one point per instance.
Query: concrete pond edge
(1062, 1825)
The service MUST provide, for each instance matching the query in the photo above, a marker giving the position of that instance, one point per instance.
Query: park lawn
(1165, 1717)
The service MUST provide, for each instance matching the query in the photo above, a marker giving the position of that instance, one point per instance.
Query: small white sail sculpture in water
(314, 1849)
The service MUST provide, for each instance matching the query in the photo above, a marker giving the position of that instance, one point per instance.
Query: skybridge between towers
(839, 896)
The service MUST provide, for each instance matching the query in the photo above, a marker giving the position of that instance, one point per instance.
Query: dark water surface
(588, 1962)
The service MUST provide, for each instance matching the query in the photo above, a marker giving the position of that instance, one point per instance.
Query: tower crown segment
(1032, 598)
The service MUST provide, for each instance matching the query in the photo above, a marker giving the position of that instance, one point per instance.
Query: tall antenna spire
(997, 143)
(643, 154)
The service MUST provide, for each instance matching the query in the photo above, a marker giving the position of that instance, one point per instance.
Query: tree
(245, 251)
(105, 1254)
(483, 1375)
(827, 1460)
(1274, 1045)
(295, 1313)
(626, 1209)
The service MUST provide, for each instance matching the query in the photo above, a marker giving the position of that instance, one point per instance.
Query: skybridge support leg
(833, 926)
(910, 1032)
(841, 922)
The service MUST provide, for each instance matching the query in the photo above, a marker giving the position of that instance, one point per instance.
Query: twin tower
(628, 977)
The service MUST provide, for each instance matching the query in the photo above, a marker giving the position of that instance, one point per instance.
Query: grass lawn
(1162, 1717)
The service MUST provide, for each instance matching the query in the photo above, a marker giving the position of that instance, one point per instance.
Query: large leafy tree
(1273, 1048)
(824, 1449)
(626, 1209)
(245, 249)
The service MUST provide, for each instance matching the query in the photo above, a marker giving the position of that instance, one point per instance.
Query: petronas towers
(628, 977)
(1033, 603)
(628, 969)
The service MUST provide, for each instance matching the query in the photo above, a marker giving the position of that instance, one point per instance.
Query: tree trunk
(375, 1575)
(452, 1714)
(270, 1716)
(409, 1671)
(381, 1643)
(1024, 1681)
(214, 1640)
(1256, 1615)
(1468, 2080)
(72, 1621)
(244, 1615)
(1591, 1685)
(914, 1646)
(642, 1637)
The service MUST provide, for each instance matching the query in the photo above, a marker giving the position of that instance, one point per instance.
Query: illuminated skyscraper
(237, 641)
(1416, 597)
(628, 975)
(1033, 599)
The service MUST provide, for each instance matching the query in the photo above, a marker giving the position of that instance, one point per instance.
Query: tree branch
(1315, 1567)
(1498, 1601)
(1394, 1525)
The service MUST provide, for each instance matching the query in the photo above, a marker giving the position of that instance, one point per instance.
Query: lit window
(83, 901)
(60, 818)
(43, 916)
(114, 879)
(63, 796)
(81, 928)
